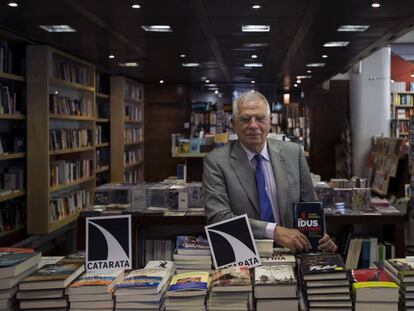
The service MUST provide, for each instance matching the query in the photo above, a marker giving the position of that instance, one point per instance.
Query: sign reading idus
(108, 243)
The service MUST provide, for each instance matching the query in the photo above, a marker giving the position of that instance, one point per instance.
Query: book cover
(402, 267)
(274, 275)
(362, 278)
(143, 278)
(321, 263)
(10, 257)
(190, 281)
(54, 272)
(96, 279)
(192, 244)
(309, 219)
(232, 276)
(279, 257)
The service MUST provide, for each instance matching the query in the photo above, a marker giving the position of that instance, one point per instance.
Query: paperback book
(322, 266)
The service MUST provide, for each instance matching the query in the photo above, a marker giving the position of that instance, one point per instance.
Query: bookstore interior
(207, 155)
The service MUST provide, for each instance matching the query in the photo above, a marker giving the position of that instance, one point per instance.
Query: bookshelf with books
(102, 123)
(126, 130)
(12, 140)
(61, 138)
(402, 108)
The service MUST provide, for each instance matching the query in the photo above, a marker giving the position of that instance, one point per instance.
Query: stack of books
(15, 265)
(280, 256)
(264, 247)
(373, 289)
(231, 289)
(275, 287)
(187, 291)
(192, 254)
(401, 271)
(94, 290)
(45, 288)
(325, 282)
(144, 289)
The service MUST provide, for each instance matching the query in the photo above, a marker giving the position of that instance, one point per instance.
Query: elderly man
(260, 177)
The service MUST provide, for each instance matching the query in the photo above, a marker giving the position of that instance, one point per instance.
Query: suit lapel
(279, 172)
(242, 169)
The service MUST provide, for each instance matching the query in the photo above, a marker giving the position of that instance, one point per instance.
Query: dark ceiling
(209, 32)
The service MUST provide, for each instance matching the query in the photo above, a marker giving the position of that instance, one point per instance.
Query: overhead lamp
(303, 77)
(315, 65)
(157, 28)
(253, 65)
(161, 81)
(183, 55)
(254, 56)
(333, 44)
(412, 74)
(353, 28)
(207, 81)
(190, 64)
(13, 4)
(252, 82)
(375, 4)
(295, 85)
(286, 98)
(309, 71)
(324, 56)
(135, 6)
(298, 81)
(57, 28)
(255, 45)
(128, 64)
(256, 6)
(216, 92)
(219, 95)
(111, 56)
(255, 28)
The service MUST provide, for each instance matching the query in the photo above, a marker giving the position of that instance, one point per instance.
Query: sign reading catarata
(232, 243)
(108, 243)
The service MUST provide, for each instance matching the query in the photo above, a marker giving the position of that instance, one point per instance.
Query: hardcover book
(95, 282)
(14, 261)
(309, 219)
(197, 281)
(275, 282)
(403, 268)
(322, 266)
(231, 279)
(145, 278)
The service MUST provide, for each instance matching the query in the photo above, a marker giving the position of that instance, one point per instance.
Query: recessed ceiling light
(298, 81)
(375, 4)
(207, 81)
(157, 28)
(254, 56)
(56, 92)
(333, 44)
(57, 28)
(256, 6)
(353, 28)
(252, 82)
(111, 56)
(309, 71)
(128, 64)
(135, 6)
(412, 75)
(253, 65)
(216, 91)
(190, 64)
(295, 85)
(183, 55)
(255, 28)
(255, 45)
(219, 95)
(303, 77)
(161, 81)
(13, 4)
(324, 56)
(315, 65)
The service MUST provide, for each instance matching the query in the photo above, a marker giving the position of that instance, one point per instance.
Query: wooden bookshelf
(189, 155)
(103, 145)
(47, 73)
(11, 77)
(102, 120)
(15, 194)
(11, 116)
(11, 156)
(101, 95)
(125, 93)
(102, 169)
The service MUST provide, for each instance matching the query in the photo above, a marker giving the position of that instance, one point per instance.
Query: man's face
(252, 124)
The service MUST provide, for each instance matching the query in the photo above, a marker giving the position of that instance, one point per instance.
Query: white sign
(108, 243)
(232, 243)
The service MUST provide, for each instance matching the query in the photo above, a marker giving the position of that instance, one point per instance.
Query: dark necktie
(266, 213)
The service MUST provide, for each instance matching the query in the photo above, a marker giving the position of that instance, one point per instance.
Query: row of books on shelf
(65, 171)
(101, 134)
(11, 179)
(402, 99)
(299, 122)
(133, 156)
(197, 144)
(12, 143)
(72, 72)
(6, 57)
(401, 86)
(133, 113)
(67, 106)
(8, 100)
(103, 110)
(12, 216)
(133, 91)
(102, 83)
(388, 146)
(133, 135)
(399, 127)
(134, 176)
(399, 113)
(67, 204)
(103, 157)
(69, 138)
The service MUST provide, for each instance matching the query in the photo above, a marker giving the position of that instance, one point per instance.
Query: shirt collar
(264, 152)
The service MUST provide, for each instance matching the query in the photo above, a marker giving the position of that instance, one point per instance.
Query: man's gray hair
(247, 97)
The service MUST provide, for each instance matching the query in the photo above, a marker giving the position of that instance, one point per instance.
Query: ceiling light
(392, 81)
(309, 71)
(57, 28)
(256, 6)
(253, 65)
(135, 6)
(353, 28)
(219, 95)
(252, 82)
(216, 92)
(207, 81)
(286, 98)
(157, 28)
(254, 56)
(295, 85)
(13, 4)
(298, 81)
(375, 4)
(182, 55)
(255, 28)
(128, 64)
(412, 75)
(315, 65)
(333, 44)
(303, 77)
(255, 45)
(111, 56)
(324, 56)
(190, 64)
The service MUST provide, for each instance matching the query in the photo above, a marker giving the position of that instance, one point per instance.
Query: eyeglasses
(245, 119)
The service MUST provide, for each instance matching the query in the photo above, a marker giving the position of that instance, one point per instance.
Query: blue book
(364, 256)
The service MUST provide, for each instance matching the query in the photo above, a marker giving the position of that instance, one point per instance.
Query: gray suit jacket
(229, 184)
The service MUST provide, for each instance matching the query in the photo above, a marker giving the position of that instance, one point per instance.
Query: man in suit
(260, 177)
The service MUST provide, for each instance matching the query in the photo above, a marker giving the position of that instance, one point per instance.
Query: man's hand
(292, 239)
(326, 245)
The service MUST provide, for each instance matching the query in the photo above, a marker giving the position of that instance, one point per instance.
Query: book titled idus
(309, 219)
